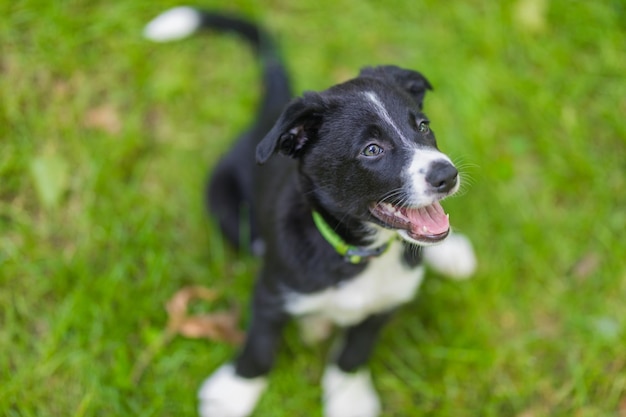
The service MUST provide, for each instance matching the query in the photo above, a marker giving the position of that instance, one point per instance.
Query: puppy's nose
(442, 176)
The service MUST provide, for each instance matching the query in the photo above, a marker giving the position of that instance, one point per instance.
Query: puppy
(345, 192)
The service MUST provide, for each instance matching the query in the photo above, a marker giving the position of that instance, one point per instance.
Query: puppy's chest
(386, 283)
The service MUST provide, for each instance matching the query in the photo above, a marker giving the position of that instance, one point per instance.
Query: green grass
(106, 141)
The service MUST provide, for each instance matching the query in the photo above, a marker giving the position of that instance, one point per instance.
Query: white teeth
(388, 207)
(394, 211)
(424, 229)
(399, 215)
(406, 219)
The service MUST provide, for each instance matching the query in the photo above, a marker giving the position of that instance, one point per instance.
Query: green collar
(352, 254)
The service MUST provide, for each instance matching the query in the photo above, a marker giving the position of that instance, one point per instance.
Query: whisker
(467, 172)
(392, 196)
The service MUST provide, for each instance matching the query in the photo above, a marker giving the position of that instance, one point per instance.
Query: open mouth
(429, 224)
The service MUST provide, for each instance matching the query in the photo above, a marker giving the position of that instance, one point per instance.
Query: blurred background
(106, 141)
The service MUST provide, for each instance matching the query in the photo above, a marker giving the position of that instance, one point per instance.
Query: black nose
(442, 176)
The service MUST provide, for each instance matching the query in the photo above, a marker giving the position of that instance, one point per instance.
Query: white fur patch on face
(349, 394)
(225, 394)
(382, 112)
(418, 189)
(454, 257)
(383, 285)
(173, 24)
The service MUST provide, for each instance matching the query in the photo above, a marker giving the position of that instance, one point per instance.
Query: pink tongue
(429, 220)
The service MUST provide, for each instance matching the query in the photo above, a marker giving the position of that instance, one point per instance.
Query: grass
(106, 141)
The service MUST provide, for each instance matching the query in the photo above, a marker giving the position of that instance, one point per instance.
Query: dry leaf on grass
(105, 117)
(221, 326)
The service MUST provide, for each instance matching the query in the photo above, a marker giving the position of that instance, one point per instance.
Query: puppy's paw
(349, 394)
(454, 257)
(226, 394)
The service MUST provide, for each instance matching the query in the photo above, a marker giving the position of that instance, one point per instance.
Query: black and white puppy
(337, 190)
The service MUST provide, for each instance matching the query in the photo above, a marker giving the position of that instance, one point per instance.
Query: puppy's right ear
(295, 127)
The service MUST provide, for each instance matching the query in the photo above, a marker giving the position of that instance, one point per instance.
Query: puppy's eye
(372, 150)
(423, 127)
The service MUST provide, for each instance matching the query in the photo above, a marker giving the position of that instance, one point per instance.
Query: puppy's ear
(412, 82)
(295, 127)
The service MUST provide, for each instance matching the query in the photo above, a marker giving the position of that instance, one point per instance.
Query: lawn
(106, 141)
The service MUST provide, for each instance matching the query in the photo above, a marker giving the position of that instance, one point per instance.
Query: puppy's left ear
(412, 82)
(295, 127)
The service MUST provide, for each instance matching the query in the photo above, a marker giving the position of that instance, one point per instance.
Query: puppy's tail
(181, 22)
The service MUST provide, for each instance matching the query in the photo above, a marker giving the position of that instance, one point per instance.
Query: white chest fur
(386, 283)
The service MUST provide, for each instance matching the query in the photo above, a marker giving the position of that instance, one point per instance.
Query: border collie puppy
(338, 191)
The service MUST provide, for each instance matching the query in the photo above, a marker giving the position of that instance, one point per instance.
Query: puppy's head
(367, 153)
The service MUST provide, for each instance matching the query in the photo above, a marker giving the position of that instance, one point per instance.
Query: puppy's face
(369, 154)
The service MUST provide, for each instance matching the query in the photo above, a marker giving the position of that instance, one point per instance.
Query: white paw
(314, 329)
(225, 394)
(349, 394)
(454, 257)
(173, 24)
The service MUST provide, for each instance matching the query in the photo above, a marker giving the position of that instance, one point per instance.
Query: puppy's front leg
(347, 386)
(454, 257)
(234, 389)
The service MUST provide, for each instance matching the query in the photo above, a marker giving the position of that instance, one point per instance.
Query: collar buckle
(356, 255)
